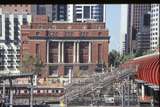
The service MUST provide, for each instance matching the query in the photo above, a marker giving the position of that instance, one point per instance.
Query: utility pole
(10, 94)
(128, 91)
(123, 102)
(3, 95)
(31, 92)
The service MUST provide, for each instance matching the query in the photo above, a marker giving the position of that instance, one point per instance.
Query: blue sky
(113, 13)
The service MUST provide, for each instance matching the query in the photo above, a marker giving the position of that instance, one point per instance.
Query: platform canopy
(148, 68)
(15, 75)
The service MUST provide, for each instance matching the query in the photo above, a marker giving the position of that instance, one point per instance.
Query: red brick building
(62, 45)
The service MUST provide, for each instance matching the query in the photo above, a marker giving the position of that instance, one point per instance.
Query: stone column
(59, 52)
(89, 53)
(74, 52)
(62, 52)
(77, 52)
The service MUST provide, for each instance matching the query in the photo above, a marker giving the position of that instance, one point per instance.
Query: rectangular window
(53, 70)
(53, 52)
(37, 50)
(68, 52)
(100, 53)
(25, 21)
(78, 15)
(146, 20)
(66, 70)
(86, 12)
(41, 10)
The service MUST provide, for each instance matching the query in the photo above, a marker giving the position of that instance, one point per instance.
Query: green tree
(27, 63)
(38, 66)
(31, 64)
(114, 58)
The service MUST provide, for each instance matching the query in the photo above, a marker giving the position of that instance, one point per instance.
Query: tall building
(135, 13)
(123, 28)
(155, 26)
(84, 12)
(63, 45)
(143, 36)
(10, 39)
(54, 12)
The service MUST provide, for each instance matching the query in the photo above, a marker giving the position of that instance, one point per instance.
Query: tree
(114, 58)
(38, 66)
(27, 63)
(31, 64)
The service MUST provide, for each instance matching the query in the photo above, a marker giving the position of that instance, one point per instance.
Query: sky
(113, 13)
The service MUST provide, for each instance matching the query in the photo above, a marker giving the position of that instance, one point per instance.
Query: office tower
(143, 36)
(155, 25)
(86, 12)
(135, 13)
(54, 12)
(10, 40)
(123, 28)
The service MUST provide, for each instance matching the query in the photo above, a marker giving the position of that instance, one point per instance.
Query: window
(86, 12)
(100, 53)
(68, 33)
(146, 20)
(53, 70)
(83, 68)
(25, 21)
(41, 10)
(37, 33)
(83, 34)
(78, 15)
(37, 50)
(66, 70)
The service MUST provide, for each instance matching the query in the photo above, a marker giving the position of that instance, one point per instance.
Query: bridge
(127, 80)
(96, 89)
(95, 84)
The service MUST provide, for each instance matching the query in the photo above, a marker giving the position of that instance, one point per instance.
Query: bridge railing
(82, 87)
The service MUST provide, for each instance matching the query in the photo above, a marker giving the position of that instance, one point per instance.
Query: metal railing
(83, 87)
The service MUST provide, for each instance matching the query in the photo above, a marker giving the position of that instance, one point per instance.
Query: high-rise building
(155, 26)
(135, 13)
(71, 12)
(143, 36)
(85, 12)
(54, 12)
(10, 36)
(123, 28)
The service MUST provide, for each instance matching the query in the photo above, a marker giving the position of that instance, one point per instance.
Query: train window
(62, 91)
(38, 91)
(49, 91)
(56, 91)
(34, 91)
(41, 91)
(25, 91)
